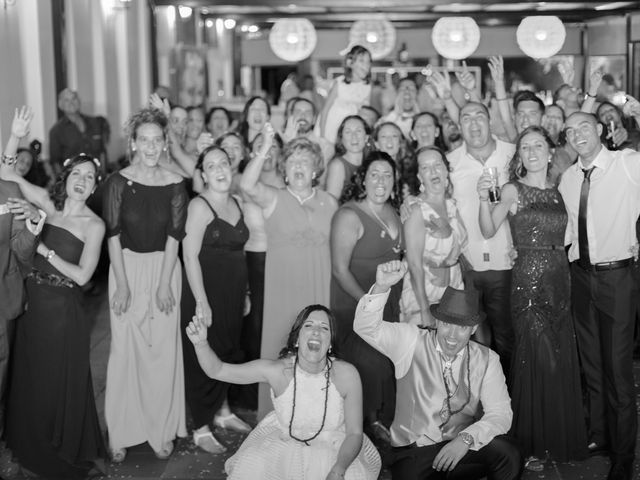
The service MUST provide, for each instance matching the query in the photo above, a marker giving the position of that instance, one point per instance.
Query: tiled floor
(187, 462)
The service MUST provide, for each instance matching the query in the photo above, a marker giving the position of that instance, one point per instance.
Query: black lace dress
(545, 379)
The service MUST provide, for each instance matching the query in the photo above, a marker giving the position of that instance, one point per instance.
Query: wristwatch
(51, 253)
(467, 438)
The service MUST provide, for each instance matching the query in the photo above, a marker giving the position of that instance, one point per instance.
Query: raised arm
(442, 84)
(595, 79)
(80, 273)
(496, 67)
(331, 98)
(492, 216)
(346, 230)
(250, 184)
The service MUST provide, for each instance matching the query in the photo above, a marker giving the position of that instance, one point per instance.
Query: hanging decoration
(455, 38)
(377, 35)
(541, 36)
(293, 39)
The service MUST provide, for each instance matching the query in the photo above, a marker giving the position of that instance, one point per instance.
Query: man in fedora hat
(452, 405)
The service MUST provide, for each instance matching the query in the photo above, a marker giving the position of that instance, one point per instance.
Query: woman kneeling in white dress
(315, 431)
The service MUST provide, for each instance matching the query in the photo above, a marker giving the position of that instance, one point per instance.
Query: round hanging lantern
(455, 38)
(293, 39)
(541, 36)
(378, 36)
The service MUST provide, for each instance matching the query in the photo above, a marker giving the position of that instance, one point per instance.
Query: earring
(313, 176)
(421, 187)
(330, 349)
(133, 148)
(286, 180)
(296, 345)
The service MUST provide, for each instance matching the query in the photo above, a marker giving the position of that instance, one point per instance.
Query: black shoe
(620, 471)
(380, 433)
(598, 450)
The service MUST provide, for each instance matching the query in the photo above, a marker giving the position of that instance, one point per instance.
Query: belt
(604, 266)
(539, 247)
(50, 279)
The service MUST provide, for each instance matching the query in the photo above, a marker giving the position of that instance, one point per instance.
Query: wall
(108, 53)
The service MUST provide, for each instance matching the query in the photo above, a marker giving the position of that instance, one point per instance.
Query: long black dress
(52, 423)
(545, 379)
(376, 370)
(224, 274)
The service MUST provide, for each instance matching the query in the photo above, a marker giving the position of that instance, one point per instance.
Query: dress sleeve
(111, 205)
(179, 204)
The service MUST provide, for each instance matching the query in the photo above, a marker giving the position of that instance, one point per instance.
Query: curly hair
(146, 116)
(355, 189)
(516, 169)
(58, 192)
(302, 144)
(291, 347)
(443, 157)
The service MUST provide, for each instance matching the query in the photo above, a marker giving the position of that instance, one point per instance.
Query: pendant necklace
(385, 229)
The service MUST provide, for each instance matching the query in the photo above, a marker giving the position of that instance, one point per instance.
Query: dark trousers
(603, 312)
(495, 297)
(6, 341)
(499, 460)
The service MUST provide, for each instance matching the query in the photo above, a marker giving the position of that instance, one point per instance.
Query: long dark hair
(339, 149)
(438, 141)
(516, 168)
(355, 189)
(245, 151)
(355, 52)
(443, 157)
(59, 189)
(243, 126)
(206, 151)
(291, 347)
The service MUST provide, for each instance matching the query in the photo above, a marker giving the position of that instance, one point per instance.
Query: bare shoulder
(345, 375)
(93, 220)
(171, 177)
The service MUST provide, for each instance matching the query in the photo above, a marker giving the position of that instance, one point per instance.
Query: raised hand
(566, 71)
(496, 67)
(21, 121)
(267, 139)
(442, 84)
(205, 140)
(197, 331)
(156, 102)
(595, 79)
(466, 78)
(389, 273)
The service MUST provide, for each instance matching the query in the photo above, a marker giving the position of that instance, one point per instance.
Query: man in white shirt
(490, 259)
(601, 193)
(406, 106)
(452, 405)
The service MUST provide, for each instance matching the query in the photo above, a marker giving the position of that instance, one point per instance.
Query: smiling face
(149, 143)
(195, 123)
(583, 135)
(314, 337)
(474, 122)
(81, 181)
(257, 114)
(23, 163)
(553, 120)
(216, 171)
(218, 123)
(178, 119)
(302, 111)
(453, 338)
(607, 113)
(234, 148)
(69, 102)
(408, 92)
(534, 152)
(432, 172)
(378, 181)
(528, 113)
(388, 140)
(425, 131)
(360, 67)
(354, 136)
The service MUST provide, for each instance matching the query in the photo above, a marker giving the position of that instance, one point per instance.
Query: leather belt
(604, 266)
(540, 247)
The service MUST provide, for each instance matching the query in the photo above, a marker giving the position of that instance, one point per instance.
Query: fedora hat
(459, 307)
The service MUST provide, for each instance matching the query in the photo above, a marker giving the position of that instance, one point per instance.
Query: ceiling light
(209, 23)
(293, 39)
(184, 11)
(253, 29)
(541, 36)
(372, 37)
(455, 38)
(229, 23)
(612, 5)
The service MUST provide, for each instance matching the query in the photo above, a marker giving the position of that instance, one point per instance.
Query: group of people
(373, 247)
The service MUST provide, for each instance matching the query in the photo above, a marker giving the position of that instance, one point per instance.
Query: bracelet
(589, 95)
(50, 254)
(9, 159)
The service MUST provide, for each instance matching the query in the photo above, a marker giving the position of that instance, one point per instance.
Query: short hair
(484, 107)
(145, 116)
(302, 144)
(527, 96)
(296, 100)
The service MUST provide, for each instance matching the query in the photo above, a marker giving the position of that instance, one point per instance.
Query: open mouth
(314, 345)
(79, 189)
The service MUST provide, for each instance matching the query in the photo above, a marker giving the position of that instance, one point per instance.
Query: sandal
(165, 452)
(207, 442)
(231, 422)
(534, 464)
(118, 455)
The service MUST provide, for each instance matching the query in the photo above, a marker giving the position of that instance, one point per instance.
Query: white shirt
(484, 254)
(612, 208)
(398, 341)
(403, 121)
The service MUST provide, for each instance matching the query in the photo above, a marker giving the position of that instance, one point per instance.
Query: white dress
(350, 97)
(439, 263)
(269, 453)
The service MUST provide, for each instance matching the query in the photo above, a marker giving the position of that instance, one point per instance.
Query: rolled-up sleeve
(395, 340)
(496, 405)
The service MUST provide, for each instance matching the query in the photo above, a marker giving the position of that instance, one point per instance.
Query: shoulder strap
(215, 215)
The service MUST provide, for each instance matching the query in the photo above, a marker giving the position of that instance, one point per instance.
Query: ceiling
(403, 13)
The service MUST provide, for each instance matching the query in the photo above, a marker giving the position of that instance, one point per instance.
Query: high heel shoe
(231, 422)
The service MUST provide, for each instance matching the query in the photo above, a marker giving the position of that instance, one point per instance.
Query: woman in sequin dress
(545, 381)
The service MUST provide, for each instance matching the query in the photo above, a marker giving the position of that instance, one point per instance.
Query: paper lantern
(293, 39)
(378, 36)
(541, 36)
(455, 37)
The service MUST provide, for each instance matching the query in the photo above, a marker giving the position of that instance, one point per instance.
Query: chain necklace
(385, 229)
(326, 399)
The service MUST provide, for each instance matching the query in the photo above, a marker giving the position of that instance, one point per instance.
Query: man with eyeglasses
(601, 192)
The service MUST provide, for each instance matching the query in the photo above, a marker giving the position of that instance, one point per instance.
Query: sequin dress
(545, 380)
(270, 453)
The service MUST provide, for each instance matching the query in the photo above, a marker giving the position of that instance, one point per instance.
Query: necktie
(451, 386)
(583, 240)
